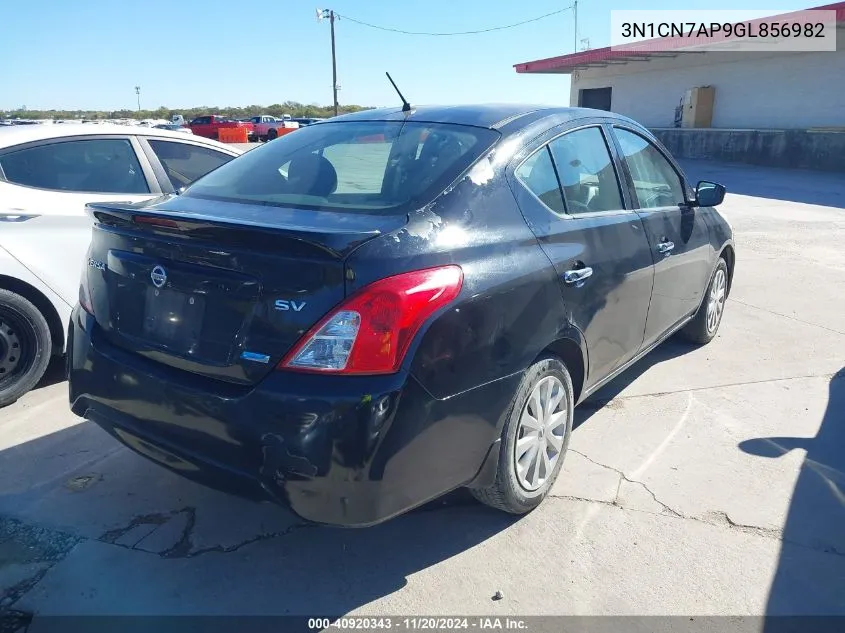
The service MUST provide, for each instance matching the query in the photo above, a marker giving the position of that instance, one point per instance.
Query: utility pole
(575, 8)
(138, 94)
(321, 15)
(334, 63)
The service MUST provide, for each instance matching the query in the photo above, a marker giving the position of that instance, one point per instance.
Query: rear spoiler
(252, 226)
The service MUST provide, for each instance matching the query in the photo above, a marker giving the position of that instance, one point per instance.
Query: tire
(25, 346)
(703, 327)
(510, 491)
(272, 134)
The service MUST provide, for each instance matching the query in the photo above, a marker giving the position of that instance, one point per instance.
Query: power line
(495, 28)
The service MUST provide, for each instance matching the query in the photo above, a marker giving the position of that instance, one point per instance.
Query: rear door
(569, 192)
(179, 163)
(678, 235)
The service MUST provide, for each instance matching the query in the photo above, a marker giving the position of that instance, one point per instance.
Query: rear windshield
(356, 165)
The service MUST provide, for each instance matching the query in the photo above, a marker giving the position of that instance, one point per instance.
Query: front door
(569, 193)
(677, 234)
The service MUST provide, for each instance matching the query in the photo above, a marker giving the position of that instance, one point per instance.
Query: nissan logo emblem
(159, 276)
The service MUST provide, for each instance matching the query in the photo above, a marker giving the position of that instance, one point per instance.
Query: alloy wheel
(540, 435)
(716, 301)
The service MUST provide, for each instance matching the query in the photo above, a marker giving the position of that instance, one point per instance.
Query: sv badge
(284, 305)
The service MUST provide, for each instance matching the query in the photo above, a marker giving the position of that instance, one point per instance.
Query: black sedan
(359, 317)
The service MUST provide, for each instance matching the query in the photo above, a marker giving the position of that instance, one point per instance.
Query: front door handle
(665, 247)
(577, 276)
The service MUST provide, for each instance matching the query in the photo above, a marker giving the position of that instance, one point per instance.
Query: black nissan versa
(367, 313)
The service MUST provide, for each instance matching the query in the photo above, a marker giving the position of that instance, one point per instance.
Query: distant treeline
(292, 108)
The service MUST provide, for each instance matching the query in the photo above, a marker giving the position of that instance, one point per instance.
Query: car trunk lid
(215, 288)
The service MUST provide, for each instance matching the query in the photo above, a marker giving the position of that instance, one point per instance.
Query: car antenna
(406, 107)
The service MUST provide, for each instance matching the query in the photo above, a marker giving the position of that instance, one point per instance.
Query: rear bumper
(351, 451)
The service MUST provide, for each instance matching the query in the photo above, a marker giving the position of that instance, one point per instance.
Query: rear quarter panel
(13, 268)
(509, 308)
(52, 249)
(467, 363)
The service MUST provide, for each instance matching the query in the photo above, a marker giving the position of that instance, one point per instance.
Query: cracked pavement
(702, 481)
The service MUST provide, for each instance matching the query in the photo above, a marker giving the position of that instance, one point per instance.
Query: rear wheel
(271, 134)
(704, 325)
(534, 439)
(25, 346)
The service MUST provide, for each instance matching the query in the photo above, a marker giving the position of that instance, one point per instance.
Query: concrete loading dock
(784, 109)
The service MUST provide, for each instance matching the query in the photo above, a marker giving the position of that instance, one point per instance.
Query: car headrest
(312, 175)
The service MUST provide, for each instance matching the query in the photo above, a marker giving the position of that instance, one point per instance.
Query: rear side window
(185, 163)
(538, 174)
(94, 165)
(356, 165)
(586, 171)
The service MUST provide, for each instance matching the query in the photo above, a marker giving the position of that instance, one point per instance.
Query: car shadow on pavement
(793, 185)
(815, 520)
(130, 523)
(54, 375)
(667, 350)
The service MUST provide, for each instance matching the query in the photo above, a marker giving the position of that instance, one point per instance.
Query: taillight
(371, 331)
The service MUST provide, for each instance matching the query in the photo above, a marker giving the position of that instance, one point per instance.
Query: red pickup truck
(208, 126)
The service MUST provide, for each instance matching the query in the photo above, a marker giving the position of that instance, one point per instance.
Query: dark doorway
(598, 98)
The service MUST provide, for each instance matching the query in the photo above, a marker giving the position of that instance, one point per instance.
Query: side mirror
(709, 194)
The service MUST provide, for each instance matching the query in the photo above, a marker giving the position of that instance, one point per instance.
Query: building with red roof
(755, 90)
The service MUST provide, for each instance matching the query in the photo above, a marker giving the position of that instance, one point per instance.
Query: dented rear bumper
(342, 450)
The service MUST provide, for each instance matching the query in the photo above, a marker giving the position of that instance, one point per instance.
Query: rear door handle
(665, 247)
(577, 276)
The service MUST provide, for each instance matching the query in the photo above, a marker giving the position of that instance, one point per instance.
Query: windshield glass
(363, 165)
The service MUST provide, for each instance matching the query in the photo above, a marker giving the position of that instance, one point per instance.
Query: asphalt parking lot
(703, 481)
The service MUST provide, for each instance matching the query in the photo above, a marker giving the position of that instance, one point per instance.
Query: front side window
(94, 165)
(657, 184)
(357, 165)
(185, 163)
(586, 171)
(538, 174)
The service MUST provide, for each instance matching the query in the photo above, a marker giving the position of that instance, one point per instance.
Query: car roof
(488, 115)
(18, 134)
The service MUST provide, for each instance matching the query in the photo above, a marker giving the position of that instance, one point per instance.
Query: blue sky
(90, 54)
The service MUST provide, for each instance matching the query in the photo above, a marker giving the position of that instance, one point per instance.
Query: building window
(596, 98)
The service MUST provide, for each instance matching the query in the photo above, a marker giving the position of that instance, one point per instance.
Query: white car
(174, 127)
(47, 175)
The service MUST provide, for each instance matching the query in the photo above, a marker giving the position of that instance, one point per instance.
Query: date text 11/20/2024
(421, 623)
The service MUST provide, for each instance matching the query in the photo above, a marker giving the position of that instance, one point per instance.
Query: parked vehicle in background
(269, 127)
(174, 127)
(210, 125)
(178, 119)
(47, 174)
(361, 316)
